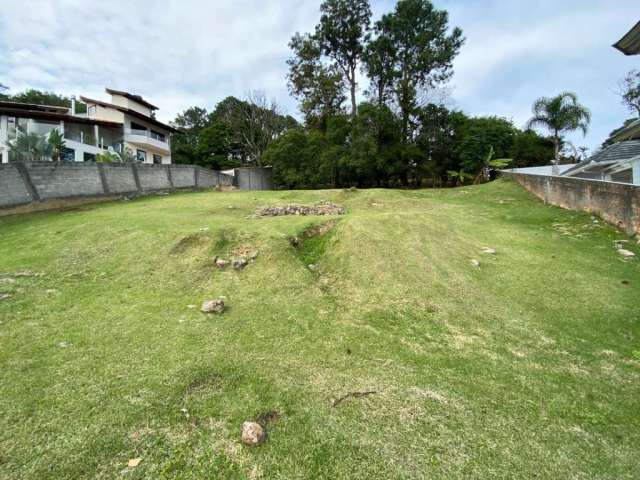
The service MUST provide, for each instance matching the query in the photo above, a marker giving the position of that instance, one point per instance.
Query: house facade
(125, 124)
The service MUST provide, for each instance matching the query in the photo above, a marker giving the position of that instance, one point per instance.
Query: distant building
(126, 124)
(620, 161)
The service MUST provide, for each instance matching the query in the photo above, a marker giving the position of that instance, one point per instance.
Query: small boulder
(221, 263)
(626, 253)
(490, 251)
(213, 306)
(239, 263)
(313, 267)
(252, 434)
(475, 263)
(253, 255)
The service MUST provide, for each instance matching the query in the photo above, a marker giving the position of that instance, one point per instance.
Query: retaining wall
(617, 203)
(38, 184)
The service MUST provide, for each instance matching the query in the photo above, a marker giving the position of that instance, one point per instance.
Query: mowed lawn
(526, 367)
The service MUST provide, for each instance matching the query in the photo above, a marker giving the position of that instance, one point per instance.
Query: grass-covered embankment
(526, 367)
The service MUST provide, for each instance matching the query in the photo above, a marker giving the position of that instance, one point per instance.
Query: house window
(137, 126)
(89, 157)
(157, 159)
(141, 155)
(68, 155)
(11, 128)
(91, 111)
(158, 136)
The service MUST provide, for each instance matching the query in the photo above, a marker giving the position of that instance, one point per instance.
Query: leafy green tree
(480, 135)
(342, 35)
(184, 145)
(530, 149)
(423, 52)
(318, 87)
(57, 143)
(127, 156)
(215, 146)
(379, 62)
(560, 115)
(29, 147)
(39, 97)
(630, 91)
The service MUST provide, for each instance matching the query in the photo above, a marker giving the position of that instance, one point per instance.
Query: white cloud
(180, 53)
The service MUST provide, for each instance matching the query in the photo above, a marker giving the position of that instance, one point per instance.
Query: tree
(39, 97)
(560, 114)
(630, 91)
(423, 52)
(108, 157)
(215, 146)
(126, 155)
(342, 35)
(57, 143)
(530, 149)
(326, 63)
(29, 147)
(379, 61)
(184, 144)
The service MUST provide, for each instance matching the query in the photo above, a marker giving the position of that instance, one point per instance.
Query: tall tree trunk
(556, 154)
(354, 106)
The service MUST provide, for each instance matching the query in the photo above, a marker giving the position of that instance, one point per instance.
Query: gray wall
(617, 203)
(258, 178)
(25, 183)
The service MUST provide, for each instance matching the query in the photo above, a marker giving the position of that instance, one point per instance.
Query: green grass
(527, 367)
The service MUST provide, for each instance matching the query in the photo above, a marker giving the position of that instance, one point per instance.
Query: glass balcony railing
(146, 133)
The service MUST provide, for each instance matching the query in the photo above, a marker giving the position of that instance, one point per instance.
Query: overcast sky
(196, 52)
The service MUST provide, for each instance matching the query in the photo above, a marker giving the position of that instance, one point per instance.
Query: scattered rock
(134, 462)
(7, 280)
(490, 251)
(475, 263)
(213, 306)
(239, 263)
(321, 208)
(313, 267)
(63, 344)
(253, 255)
(294, 241)
(221, 263)
(191, 306)
(4, 296)
(626, 253)
(252, 434)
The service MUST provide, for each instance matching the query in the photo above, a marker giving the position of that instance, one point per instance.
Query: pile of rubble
(321, 208)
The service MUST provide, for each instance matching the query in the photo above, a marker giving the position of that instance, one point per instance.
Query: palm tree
(29, 146)
(560, 114)
(57, 142)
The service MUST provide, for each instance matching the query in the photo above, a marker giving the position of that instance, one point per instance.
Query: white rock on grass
(213, 306)
(490, 251)
(221, 263)
(252, 434)
(626, 253)
(475, 263)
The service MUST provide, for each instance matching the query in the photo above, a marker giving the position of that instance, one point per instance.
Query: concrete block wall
(38, 185)
(56, 180)
(13, 190)
(617, 203)
(153, 177)
(120, 178)
(183, 176)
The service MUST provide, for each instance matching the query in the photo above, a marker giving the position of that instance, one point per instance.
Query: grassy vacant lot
(527, 367)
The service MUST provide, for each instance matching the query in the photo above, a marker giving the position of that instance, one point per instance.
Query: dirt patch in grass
(265, 418)
(204, 382)
(190, 243)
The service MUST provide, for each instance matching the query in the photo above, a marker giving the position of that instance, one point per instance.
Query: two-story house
(125, 124)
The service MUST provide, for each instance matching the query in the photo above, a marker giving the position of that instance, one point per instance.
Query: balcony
(146, 138)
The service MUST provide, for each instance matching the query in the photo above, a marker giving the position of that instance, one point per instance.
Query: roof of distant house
(48, 112)
(612, 154)
(131, 96)
(133, 113)
(630, 43)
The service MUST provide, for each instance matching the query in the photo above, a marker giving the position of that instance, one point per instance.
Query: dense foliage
(394, 137)
(235, 133)
(38, 97)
